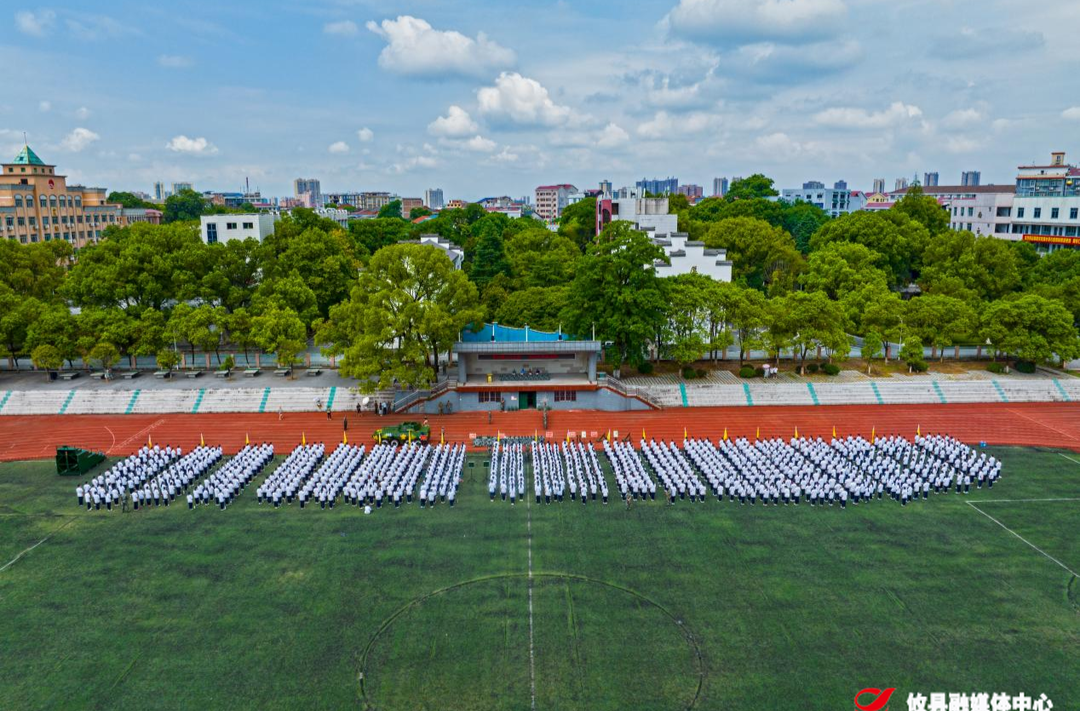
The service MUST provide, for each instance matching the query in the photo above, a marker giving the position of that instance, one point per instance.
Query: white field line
(1017, 501)
(16, 558)
(1040, 550)
(1069, 458)
(532, 652)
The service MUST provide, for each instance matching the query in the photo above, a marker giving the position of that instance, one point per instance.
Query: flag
(918, 431)
(303, 438)
(873, 435)
(834, 431)
(796, 432)
(202, 442)
(609, 435)
(410, 436)
(344, 437)
(442, 437)
(684, 434)
(568, 436)
(643, 434)
(149, 442)
(247, 439)
(725, 434)
(757, 435)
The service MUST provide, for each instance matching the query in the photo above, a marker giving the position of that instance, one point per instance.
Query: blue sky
(484, 97)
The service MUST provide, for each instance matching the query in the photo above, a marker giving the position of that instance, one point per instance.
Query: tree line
(390, 308)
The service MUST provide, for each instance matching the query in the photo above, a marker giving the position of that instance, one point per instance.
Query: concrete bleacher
(33, 402)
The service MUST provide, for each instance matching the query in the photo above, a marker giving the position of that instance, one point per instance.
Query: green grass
(715, 605)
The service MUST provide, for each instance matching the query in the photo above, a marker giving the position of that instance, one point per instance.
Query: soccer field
(563, 606)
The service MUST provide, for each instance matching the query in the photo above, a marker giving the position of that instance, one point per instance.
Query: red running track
(1030, 424)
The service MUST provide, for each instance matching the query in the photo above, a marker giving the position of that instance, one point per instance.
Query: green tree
(923, 209)
(748, 315)
(1031, 328)
(185, 205)
(872, 348)
(578, 222)
(240, 324)
(971, 268)
(322, 258)
(369, 236)
(940, 320)
(409, 307)
(417, 212)
(105, 354)
(55, 327)
(687, 317)
(489, 259)
(288, 292)
(898, 239)
(167, 359)
(391, 209)
(537, 307)
(763, 257)
(843, 267)
(36, 270)
(802, 220)
(616, 289)
(806, 321)
(541, 258)
(46, 357)
(150, 333)
(884, 313)
(231, 272)
(281, 332)
(129, 200)
(16, 317)
(911, 352)
(755, 186)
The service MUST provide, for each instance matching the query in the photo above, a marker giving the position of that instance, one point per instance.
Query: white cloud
(962, 144)
(738, 22)
(45, 106)
(194, 146)
(455, 124)
(1072, 114)
(505, 156)
(665, 125)
(339, 148)
(366, 135)
(35, 24)
(345, 28)
(415, 47)
(779, 144)
(479, 144)
(612, 136)
(412, 163)
(174, 61)
(857, 118)
(518, 99)
(970, 43)
(962, 118)
(78, 140)
(82, 113)
(98, 27)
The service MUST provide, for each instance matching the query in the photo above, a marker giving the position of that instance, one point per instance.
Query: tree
(541, 258)
(807, 321)
(755, 186)
(843, 267)
(241, 331)
(873, 347)
(281, 332)
(578, 222)
(537, 307)
(150, 333)
(184, 205)
(924, 209)
(105, 354)
(323, 258)
(55, 327)
(748, 314)
(971, 268)
(764, 257)
(369, 236)
(617, 290)
(140, 266)
(36, 270)
(1030, 328)
(802, 220)
(409, 307)
(288, 292)
(717, 209)
(167, 359)
(232, 271)
(721, 305)
(687, 316)
(46, 357)
(129, 200)
(898, 239)
(940, 320)
(489, 259)
(16, 316)
(417, 212)
(911, 352)
(391, 209)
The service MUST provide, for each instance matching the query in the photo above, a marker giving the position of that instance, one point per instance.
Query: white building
(647, 214)
(433, 199)
(551, 200)
(225, 228)
(691, 258)
(1046, 210)
(456, 254)
(835, 202)
(982, 209)
(336, 214)
(719, 187)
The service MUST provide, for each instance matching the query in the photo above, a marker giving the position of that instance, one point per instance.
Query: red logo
(880, 702)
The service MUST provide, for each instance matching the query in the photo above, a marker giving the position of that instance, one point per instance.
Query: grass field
(709, 606)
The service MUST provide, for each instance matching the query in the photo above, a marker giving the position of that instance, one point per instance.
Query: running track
(1031, 424)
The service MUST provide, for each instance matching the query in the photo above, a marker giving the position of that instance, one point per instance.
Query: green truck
(405, 432)
(72, 461)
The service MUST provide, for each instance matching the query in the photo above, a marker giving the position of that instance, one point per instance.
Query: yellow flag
(410, 436)
(303, 438)
(247, 439)
(643, 433)
(442, 437)
(149, 442)
(796, 433)
(757, 435)
(344, 437)
(609, 435)
(725, 434)
(873, 435)
(202, 442)
(834, 431)
(568, 436)
(918, 431)
(684, 434)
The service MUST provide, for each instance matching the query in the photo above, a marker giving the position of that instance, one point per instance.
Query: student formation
(814, 471)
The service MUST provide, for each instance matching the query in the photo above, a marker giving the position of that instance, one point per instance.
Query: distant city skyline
(470, 99)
